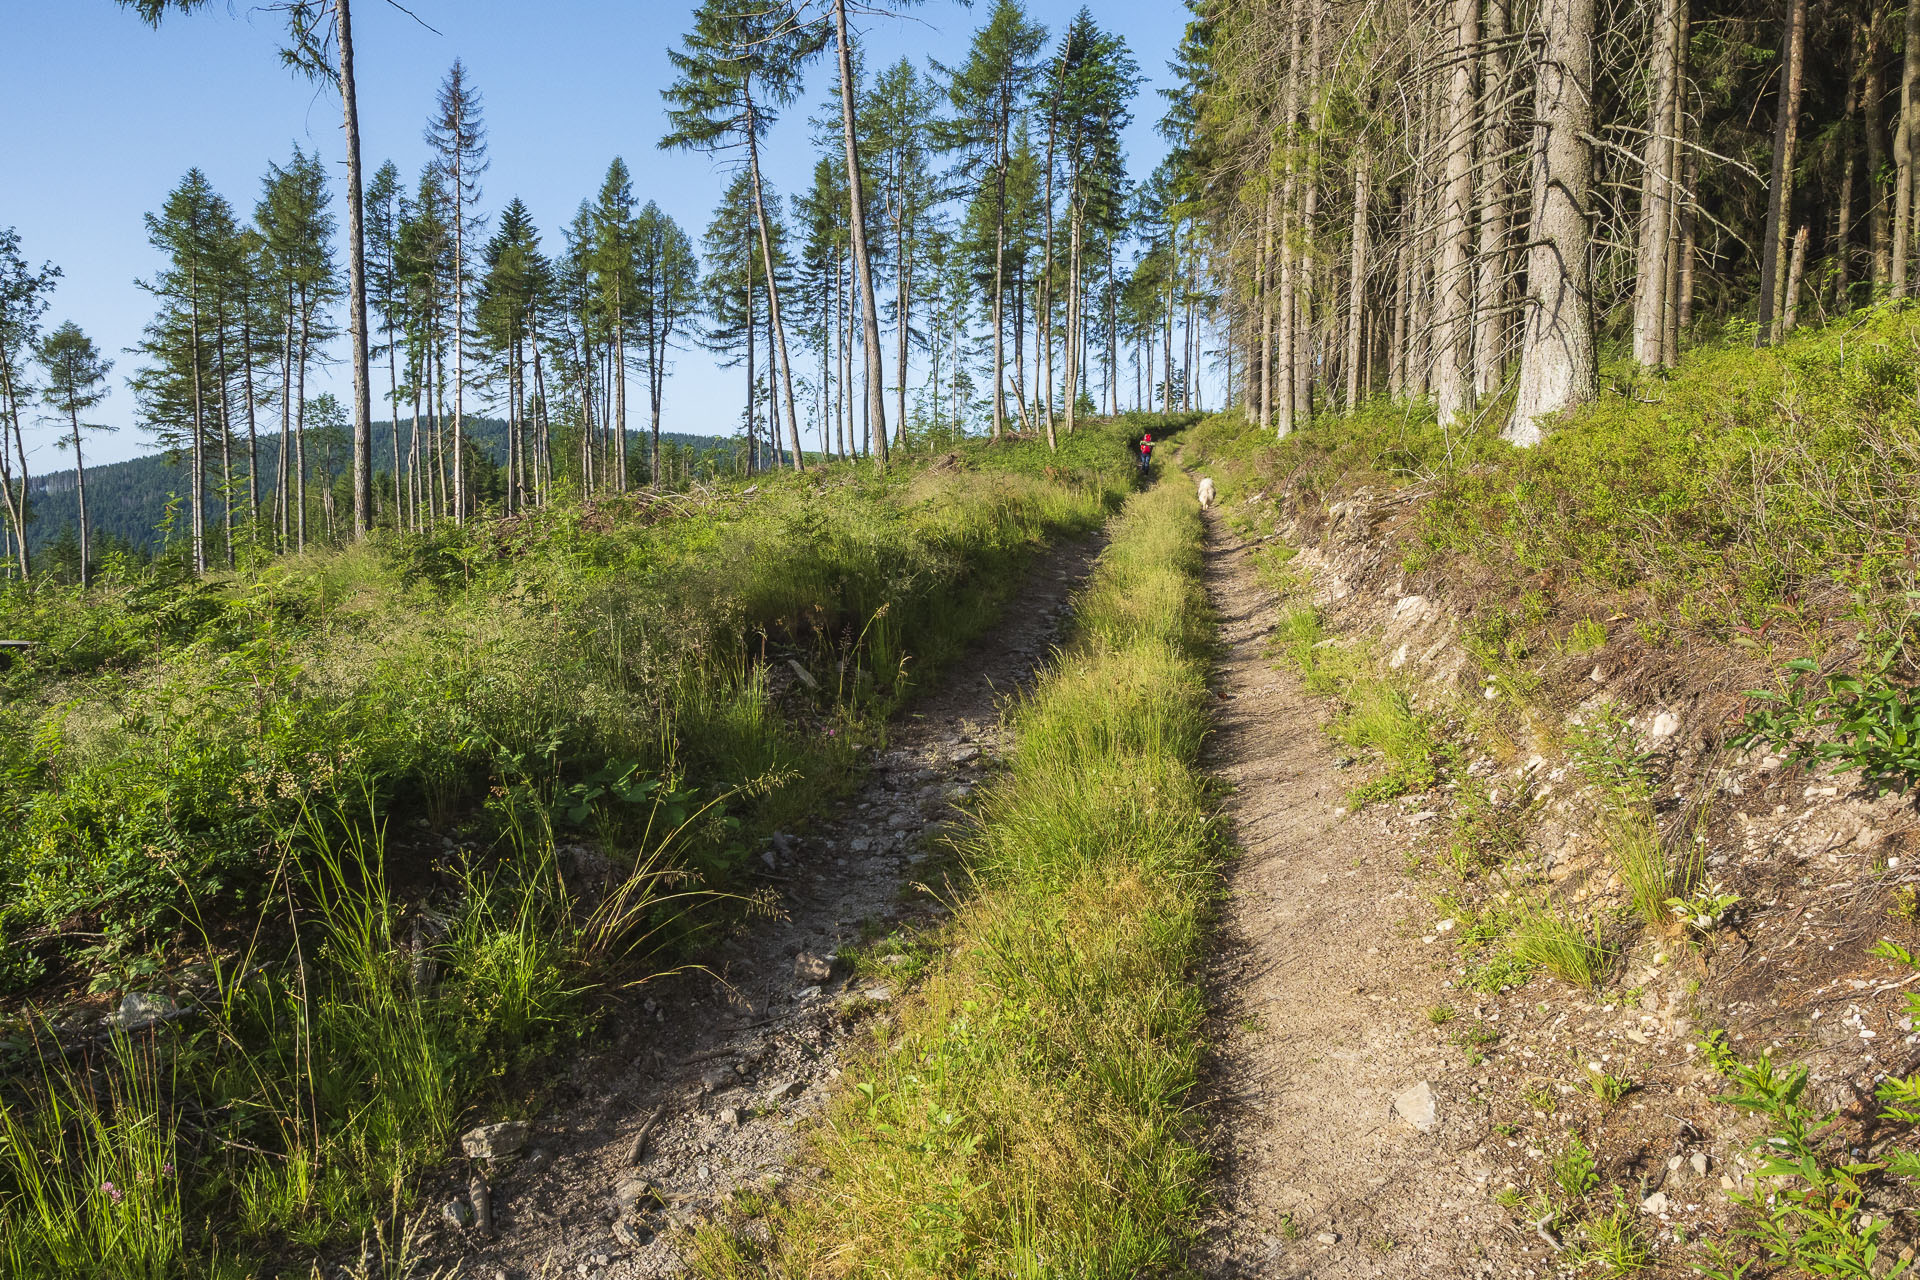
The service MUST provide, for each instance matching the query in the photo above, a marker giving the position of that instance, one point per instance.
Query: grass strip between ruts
(1028, 1117)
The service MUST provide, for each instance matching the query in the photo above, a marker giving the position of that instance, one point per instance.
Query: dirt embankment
(1356, 963)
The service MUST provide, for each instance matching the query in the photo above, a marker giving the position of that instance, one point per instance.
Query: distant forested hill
(128, 500)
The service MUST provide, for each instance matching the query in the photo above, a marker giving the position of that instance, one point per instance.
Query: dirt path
(1321, 990)
(735, 1068)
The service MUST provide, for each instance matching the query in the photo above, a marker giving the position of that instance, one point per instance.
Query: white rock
(1665, 725)
(1700, 1163)
(1655, 1203)
(140, 1010)
(1416, 1106)
(494, 1141)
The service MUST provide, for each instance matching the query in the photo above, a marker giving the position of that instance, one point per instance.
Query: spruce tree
(297, 228)
(320, 46)
(75, 372)
(899, 116)
(178, 390)
(23, 300)
(386, 212)
(611, 262)
(667, 279)
(458, 137)
(738, 68)
(986, 93)
(425, 268)
(513, 286)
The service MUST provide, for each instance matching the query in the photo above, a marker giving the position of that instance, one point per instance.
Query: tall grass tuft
(88, 1168)
(1572, 950)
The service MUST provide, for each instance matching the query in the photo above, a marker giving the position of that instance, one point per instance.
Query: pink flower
(113, 1192)
(166, 1170)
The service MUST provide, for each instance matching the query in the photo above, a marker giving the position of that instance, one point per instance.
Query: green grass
(1748, 508)
(257, 771)
(1573, 951)
(1029, 1117)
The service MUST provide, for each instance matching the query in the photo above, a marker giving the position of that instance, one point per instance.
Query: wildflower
(166, 1170)
(112, 1192)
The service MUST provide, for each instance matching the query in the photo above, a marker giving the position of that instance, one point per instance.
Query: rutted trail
(735, 1063)
(1319, 990)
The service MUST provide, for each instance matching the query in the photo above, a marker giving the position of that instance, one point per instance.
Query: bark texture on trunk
(862, 262)
(1650, 287)
(1492, 260)
(1786, 132)
(1556, 350)
(356, 285)
(1452, 387)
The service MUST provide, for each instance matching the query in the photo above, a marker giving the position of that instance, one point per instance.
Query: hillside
(128, 501)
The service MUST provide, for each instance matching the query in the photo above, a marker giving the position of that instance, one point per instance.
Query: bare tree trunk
(1072, 352)
(1683, 304)
(1454, 287)
(1790, 306)
(1304, 283)
(1357, 273)
(1397, 339)
(459, 349)
(198, 521)
(1872, 105)
(1903, 144)
(1266, 316)
(1045, 304)
(1556, 351)
(862, 263)
(1780, 204)
(1843, 207)
(16, 509)
(300, 428)
(1492, 259)
(80, 487)
(1656, 193)
(1678, 161)
(773, 310)
(356, 285)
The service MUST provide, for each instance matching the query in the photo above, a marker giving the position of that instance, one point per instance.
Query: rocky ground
(1382, 1108)
(1335, 1159)
(710, 1084)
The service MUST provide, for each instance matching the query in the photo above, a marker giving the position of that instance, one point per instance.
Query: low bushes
(411, 803)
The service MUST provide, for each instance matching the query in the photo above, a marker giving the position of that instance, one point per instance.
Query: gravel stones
(812, 967)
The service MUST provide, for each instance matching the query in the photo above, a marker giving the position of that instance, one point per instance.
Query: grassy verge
(1027, 1116)
(374, 823)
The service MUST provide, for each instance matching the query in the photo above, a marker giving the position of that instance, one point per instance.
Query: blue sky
(102, 116)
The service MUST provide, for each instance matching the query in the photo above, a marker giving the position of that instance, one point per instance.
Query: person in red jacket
(1146, 450)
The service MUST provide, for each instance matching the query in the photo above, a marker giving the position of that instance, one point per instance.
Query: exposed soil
(1345, 979)
(1319, 989)
(737, 1059)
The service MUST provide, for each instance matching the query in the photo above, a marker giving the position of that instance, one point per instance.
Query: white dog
(1206, 491)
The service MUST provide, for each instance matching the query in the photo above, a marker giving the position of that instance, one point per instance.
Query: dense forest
(1478, 202)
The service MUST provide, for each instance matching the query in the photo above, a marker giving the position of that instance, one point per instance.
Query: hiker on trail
(1146, 450)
